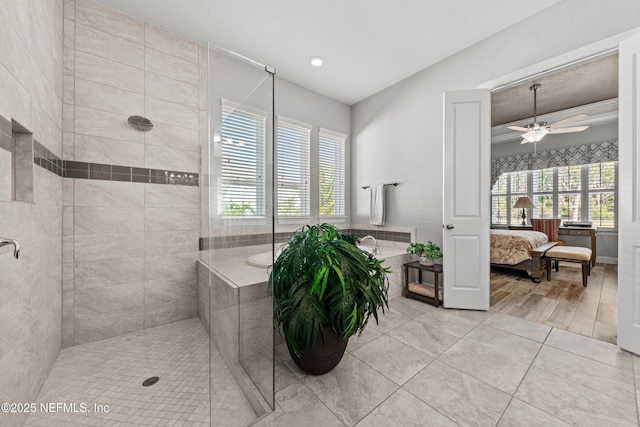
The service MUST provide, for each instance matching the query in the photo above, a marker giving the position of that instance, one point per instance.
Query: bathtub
(263, 259)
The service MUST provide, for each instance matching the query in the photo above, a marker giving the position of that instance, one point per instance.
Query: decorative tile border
(6, 141)
(224, 242)
(46, 159)
(84, 170)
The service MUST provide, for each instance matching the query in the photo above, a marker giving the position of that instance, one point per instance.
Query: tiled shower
(109, 218)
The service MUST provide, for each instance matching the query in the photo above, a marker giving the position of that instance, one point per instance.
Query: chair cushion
(569, 252)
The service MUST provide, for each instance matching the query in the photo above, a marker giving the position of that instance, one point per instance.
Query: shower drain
(150, 381)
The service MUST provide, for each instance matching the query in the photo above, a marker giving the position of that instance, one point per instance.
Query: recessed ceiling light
(316, 61)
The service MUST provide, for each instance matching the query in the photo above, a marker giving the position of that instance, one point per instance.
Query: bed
(520, 250)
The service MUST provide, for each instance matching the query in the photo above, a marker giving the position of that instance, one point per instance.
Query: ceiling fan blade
(519, 128)
(568, 120)
(569, 130)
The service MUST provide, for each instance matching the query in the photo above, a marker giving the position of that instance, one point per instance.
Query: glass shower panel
(240, 226)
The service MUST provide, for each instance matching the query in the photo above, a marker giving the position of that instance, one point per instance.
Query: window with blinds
(331, 173)
(243, 163)
(499, 207)
(602, 200)
(573, 193)
(518, 189)
(570, 193)
(292, 183)
(542, 181)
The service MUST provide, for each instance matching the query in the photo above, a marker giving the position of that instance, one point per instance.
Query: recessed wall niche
(22, 163)
(6, 162)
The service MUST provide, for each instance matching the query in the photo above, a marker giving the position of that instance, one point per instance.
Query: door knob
(450, 226)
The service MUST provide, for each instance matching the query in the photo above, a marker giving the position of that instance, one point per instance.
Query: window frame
(261, 164)
(341, 216)
(304, 217)
(585, 195)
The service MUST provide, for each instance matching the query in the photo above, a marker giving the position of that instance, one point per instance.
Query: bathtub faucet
(16, 246)
(376, 250)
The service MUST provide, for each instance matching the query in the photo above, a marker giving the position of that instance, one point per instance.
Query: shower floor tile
(101, 382)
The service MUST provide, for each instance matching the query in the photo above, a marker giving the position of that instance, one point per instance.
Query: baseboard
(607, 259)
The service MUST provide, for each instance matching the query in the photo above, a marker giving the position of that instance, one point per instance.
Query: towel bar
(395, 184)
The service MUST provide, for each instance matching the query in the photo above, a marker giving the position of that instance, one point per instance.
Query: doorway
(563, 175)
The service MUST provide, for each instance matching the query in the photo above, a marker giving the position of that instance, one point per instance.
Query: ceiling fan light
(535, 135)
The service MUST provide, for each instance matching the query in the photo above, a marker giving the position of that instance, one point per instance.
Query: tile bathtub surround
(235, 241)
(496, 370)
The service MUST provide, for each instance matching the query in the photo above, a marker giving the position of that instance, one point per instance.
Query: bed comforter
(512, 247)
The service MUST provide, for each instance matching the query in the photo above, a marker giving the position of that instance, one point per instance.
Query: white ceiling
(367, 45)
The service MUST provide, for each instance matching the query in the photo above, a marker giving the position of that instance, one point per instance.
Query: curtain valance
(597, 152)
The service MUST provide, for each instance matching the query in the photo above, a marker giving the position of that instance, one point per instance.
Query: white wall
(397, 133)
(240, 82)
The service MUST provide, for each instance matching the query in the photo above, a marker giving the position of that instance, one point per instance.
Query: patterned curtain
(605, 151)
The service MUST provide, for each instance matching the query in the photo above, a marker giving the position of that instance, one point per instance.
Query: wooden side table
(424, 292)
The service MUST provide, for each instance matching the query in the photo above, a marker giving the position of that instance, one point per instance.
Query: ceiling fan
(535, 131)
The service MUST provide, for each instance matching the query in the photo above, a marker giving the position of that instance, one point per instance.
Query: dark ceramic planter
(325, 354)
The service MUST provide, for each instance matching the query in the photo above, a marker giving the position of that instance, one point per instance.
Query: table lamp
(523, 202)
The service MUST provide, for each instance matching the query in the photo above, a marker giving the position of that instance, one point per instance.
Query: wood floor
(561, 302)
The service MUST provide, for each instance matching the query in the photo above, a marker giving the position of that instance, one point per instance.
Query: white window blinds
(293, 168)
(243, 162)
(332, 173)
(499, 207)
(572, 193)
(602, 194)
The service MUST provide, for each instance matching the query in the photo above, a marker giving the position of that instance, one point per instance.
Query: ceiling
(367, 45)
(586, 83)
(590, 87)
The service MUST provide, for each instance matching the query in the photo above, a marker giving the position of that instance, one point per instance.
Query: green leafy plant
(322, 279)
(428, 250)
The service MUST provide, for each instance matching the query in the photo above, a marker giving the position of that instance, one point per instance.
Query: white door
(629, 197)
(467, 152)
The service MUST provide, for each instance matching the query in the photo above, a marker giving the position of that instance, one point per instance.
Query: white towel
(376, 209)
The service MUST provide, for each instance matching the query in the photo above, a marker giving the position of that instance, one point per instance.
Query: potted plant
(325, 289)
(427, 253)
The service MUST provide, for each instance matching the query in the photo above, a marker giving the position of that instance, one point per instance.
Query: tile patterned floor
(426, 366)
(420, 366)
(110, 372)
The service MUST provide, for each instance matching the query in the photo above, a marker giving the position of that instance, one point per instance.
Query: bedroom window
(569, 193)
(519, 185)
(572, 193)
(543, 193)
(499, 206)
(602, 194)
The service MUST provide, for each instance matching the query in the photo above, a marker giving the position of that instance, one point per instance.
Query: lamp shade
(523, 202)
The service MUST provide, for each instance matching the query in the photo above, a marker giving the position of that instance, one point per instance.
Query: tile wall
(31, 54)
(131, 226)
